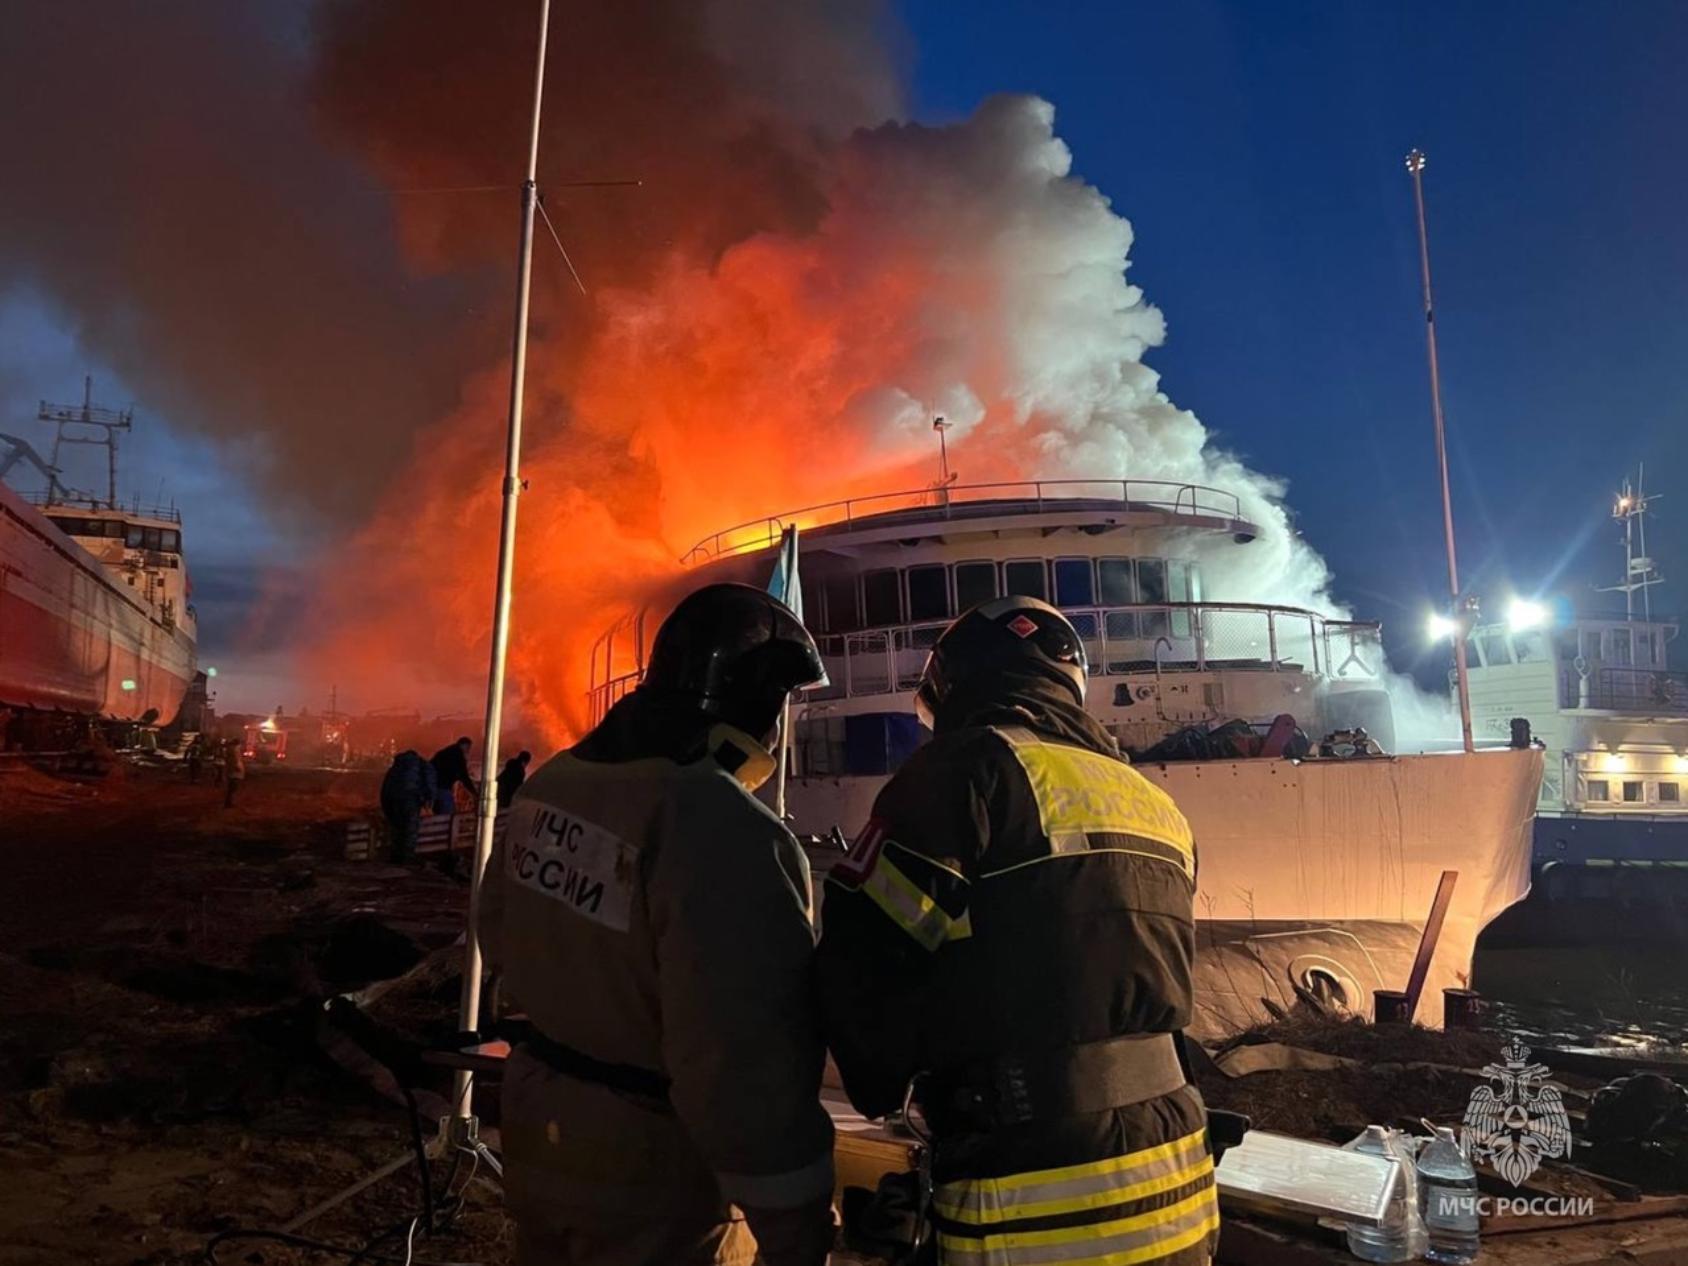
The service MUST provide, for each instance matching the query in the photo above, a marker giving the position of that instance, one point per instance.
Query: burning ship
(1318, 874)
(95, 616)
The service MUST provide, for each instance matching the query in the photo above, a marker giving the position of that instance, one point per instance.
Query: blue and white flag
(785, 583)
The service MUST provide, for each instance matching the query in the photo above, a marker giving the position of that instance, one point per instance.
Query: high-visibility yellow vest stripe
(1118, 1242)
(1106, 1192)
(1081, 794)
(911, 909)
(1072, 1188)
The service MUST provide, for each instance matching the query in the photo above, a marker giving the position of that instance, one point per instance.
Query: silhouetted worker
(234, 770)
(451, 766)
(196, 757)
(511, 777)
(408, 786)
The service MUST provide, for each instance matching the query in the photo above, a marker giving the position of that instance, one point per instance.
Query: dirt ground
(161, 959)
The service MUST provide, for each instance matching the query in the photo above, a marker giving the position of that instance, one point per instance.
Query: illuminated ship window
(1670, 793)
(1598, 789)
(1634, 793)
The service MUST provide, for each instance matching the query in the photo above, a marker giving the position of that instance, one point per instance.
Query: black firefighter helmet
(734, 651)
(1004, 634)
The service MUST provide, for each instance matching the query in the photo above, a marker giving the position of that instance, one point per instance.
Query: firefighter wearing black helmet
(1012, 935)
(653, 919)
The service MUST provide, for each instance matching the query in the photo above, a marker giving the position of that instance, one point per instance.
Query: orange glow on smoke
(717, 397)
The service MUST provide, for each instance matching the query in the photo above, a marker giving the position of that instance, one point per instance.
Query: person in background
(196, 757)
(406, 789)
(511, 777)
(234, 771)
(451, 766)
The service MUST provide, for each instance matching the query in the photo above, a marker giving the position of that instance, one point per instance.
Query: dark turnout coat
(1020, 897)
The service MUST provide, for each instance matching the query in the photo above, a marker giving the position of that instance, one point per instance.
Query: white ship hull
(1320, 867)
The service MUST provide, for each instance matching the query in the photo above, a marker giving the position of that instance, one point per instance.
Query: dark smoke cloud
(195, 187)
(167, 192)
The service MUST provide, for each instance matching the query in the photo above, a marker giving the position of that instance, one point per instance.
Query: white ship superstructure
(1315, 874)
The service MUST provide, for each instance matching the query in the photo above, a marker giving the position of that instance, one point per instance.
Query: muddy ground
(160, 962)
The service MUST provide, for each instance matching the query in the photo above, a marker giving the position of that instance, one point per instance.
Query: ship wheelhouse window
(1024, 578)
(842, 610)
(1634, 792)
(1622, 648)
(1151, 588)
(172, 540)
(1670, 793)
(928, 592)
(1495, 649)
(133, 535)
(1644, 648)
(1591, 644)
(1565, 643)
(152, 538)
(974, 583)
(1531, 647)
(882, 598)
(1598, 790)
(1117, 582)
(1180, 587)
(1075, 583)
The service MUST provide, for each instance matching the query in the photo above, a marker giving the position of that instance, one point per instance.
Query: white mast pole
(1415, 165)
(469, 1010)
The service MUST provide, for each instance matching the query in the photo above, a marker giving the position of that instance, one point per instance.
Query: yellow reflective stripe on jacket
(1076, 1188)
(1146, 1237)
(1081, 793)
(910, 908)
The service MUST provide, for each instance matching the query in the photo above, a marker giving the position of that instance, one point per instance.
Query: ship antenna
(1415, 165)
(1630, 509)
(89, 415)
(945, 476)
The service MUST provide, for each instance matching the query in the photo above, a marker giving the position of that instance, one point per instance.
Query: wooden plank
(1427, 942)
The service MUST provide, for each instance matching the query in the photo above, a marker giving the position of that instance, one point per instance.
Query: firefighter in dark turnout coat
(1013, 933)
(653, 919)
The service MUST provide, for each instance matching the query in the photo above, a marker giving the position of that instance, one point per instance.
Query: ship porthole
(1325, 987)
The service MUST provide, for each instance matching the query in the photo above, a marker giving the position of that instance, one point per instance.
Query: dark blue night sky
(1257, 151)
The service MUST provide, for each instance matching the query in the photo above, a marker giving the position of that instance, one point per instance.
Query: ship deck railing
(1651, 691)
(45, 500)
(965, 501)
(1135, 640)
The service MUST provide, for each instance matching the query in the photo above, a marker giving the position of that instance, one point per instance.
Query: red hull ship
(95, 618)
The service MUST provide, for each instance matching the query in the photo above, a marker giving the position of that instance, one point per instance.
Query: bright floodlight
(1524, 614)
(1440, 627)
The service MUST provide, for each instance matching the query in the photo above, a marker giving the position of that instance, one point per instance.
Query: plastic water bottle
(1447, 1196)
(1393, 1241)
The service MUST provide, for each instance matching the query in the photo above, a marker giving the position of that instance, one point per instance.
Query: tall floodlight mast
(1415, 165)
